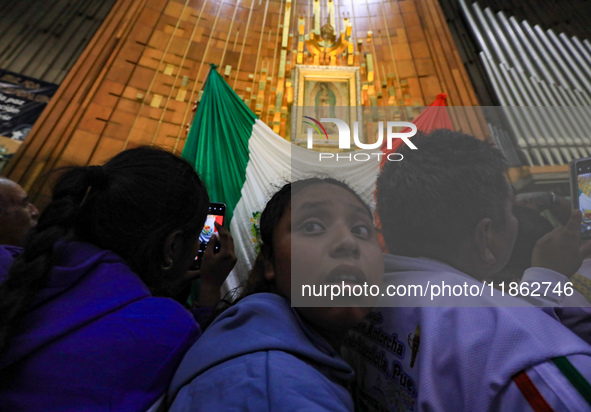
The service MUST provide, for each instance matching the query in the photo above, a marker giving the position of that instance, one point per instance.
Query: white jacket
(463, 358)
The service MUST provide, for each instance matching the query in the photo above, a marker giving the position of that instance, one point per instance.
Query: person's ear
(268, 269)
(483, 237)
(173, 244)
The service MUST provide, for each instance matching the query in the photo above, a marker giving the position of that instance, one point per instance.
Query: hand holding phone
(580, 181)
(216, 266)
(562, 250)
(216, 214)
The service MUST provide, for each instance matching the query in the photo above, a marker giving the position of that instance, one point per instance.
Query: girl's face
(326, 236)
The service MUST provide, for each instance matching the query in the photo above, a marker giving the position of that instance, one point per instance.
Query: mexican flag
(218, 141)
(243, 163)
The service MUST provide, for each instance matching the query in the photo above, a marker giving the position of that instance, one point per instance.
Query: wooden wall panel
(137, 81)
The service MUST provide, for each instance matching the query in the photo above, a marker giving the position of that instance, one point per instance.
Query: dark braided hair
(129, 205)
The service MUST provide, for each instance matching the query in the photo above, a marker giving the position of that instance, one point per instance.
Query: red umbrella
(434, 117)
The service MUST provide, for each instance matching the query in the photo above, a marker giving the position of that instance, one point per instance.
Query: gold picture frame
(325, 91)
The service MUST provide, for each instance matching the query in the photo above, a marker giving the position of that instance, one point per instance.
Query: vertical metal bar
(579, 132)
(504, 98)
(566, 120)
(557, 61)
(490, 34)
(474, 27)
(581, 113)
(573, 99)
(548, 124)
(497, 83)
(584, 97)
(521, 53)
(553, 121)
(582, 67)
(528, 126)
(538, 125)
(507, 138)
(504, 144)
(583, 120)
(538, 61)
(506, 45)
(582, 49)
(547, 58)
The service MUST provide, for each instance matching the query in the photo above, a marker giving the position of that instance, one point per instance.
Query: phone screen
(217, 212)
(583, 193)
(209, 229)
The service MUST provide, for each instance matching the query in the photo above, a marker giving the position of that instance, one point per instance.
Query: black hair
(273, 212)
(432, 200)
(129, 205)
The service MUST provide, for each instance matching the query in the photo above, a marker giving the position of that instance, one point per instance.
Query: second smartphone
(580, 181)
(216, 213)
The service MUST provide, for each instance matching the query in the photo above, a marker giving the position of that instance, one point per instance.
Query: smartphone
(580, 186)
(216, 213)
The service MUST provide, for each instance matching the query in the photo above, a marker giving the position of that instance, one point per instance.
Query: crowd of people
(93, 293)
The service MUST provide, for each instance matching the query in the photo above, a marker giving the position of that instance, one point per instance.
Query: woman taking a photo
(86, 319)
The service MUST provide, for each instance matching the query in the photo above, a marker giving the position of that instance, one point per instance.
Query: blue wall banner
(22, 99)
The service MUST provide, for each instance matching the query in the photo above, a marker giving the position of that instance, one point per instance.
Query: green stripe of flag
(574, 377)
(217, 145)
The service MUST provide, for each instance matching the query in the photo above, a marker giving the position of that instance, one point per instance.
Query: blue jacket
(259, 356)
(94, 340)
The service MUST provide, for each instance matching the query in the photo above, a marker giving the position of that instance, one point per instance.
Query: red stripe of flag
(531, 393)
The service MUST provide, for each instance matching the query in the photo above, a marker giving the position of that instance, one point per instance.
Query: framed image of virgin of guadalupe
(324, 92)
